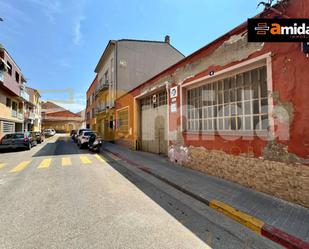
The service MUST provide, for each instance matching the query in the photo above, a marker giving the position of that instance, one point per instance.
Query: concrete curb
(254, 224)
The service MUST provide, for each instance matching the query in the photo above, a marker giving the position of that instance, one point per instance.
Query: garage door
(154, 123)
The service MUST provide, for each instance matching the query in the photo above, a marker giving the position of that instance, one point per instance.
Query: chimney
(167, 39)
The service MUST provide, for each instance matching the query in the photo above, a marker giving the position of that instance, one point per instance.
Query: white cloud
(78, 103)
(74, 107)
(77, 34)
(72, 11)
(49, 7)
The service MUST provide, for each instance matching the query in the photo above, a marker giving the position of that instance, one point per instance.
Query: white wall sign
(174, 92)
(174, 107)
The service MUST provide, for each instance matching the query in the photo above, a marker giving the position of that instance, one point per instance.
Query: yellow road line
(2, 165)
(66, 161)
(243, 218)
(45, 163)
(85, 160)
(20, 166)
(99, 158)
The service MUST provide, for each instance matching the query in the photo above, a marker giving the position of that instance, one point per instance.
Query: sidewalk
(288, 217)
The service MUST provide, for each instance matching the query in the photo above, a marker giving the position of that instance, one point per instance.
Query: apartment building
(32, 112)
(91, 106)
(13, 94)
(124, 65)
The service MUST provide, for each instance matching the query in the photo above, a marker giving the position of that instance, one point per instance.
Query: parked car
(38, 136)
(49, 132)
(83, 139)
(18, 140)
(94, 143)
(79, 133)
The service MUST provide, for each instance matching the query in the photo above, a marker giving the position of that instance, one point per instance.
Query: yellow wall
(128, 139)
(6, 112)
(103, 124)
(61, 126)
(104, 117)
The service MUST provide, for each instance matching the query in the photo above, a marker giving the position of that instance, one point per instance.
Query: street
(58, 196)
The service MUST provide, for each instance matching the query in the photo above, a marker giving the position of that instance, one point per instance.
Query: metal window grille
(148, 102)
(237, 103)
(123, 120)
(7, 127)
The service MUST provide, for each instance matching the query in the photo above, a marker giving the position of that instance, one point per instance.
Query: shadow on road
(11, 150)
(63, 145)
(203, 228)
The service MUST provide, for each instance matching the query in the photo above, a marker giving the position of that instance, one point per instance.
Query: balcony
(102, 86)
(20, 116)
(14, 113)
(102, 107)
(1, 76)
(24, 95)
(29, 115)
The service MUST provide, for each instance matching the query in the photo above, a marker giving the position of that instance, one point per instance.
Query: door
(154, 123)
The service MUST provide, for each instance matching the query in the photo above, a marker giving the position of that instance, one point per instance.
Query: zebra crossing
(49, 162)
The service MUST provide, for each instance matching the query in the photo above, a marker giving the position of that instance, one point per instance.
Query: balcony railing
(24, 95)
(20, 115)
(14, 113)
(101, 108)
(102, 86)
(1, 75)
(30, 115)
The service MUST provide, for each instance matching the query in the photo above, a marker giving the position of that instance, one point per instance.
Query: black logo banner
(278, 30)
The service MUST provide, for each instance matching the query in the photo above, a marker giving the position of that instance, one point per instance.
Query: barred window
(123, 120)
(7, 127)
(237, 103)
(154, 101)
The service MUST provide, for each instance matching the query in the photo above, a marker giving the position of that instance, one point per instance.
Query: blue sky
(57, 43)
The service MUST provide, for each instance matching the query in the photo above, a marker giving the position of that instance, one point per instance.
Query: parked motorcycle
(94, 143)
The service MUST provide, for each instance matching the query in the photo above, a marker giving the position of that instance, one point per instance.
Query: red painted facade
(10, 83)
(290, 81)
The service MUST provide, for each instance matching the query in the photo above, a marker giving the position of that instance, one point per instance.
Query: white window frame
(263, 60)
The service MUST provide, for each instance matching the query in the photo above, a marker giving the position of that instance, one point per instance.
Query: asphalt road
(58, 196)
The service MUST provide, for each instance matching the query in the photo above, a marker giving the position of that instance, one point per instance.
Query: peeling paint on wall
(283, 110)
(279, 152)
(234, 49)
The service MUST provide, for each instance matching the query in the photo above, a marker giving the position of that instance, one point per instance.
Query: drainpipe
(167, 87)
